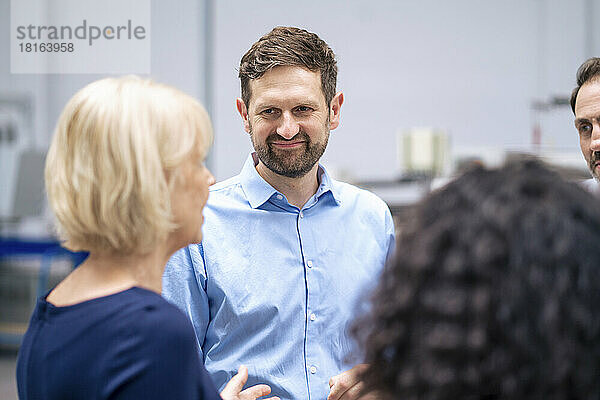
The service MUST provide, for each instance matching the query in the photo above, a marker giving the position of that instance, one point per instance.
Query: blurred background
(430, 87)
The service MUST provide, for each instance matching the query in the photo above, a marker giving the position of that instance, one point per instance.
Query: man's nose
(595, 141)
(288, 127)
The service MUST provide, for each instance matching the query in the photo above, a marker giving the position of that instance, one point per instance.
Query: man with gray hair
(585, 103)
(287, 251)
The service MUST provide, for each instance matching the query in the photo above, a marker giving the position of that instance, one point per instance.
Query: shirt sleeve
(184, 284)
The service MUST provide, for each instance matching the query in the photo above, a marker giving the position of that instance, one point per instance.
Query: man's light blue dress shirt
(274, 287)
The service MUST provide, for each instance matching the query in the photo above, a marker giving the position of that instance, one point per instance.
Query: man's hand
(348, 385)
(233, 389)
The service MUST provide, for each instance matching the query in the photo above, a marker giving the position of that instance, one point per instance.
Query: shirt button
(280, 197)
(309, 263)
(313, 370)
(301, 214)
(313, 317)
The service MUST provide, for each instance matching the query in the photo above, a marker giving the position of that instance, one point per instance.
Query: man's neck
(296, 190)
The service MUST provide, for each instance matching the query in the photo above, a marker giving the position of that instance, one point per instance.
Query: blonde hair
(115, 152)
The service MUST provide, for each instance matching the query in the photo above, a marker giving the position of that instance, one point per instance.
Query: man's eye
(585, 128)
(303, 109)
(268, 111)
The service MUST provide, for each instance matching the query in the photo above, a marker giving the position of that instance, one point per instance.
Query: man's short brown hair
(285, 46)
(589, 70)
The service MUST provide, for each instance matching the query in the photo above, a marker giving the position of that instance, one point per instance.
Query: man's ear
(335, 109)
(241, 107)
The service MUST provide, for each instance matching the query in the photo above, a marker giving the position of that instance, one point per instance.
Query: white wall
(467, 66)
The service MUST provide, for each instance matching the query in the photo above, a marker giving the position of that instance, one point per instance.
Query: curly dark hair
(285, 46)
(589, 70)
(494, 293)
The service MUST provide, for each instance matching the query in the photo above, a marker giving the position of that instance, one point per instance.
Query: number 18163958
(46, 47)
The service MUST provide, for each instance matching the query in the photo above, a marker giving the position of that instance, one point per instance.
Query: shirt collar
(258, 191)
(326, 185)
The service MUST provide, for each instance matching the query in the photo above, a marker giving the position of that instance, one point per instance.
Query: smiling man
(585, 103)
(287, 251)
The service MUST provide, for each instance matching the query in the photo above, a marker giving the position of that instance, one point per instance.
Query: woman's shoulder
(148, 327)
(135, 315)
(153, 314)
(156, 348)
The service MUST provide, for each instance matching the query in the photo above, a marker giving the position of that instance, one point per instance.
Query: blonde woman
(126, 181)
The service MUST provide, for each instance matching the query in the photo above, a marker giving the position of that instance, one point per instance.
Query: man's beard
(593, 160)
(288, 162)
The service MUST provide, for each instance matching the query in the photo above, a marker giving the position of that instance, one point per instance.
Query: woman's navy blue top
(128, 345)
